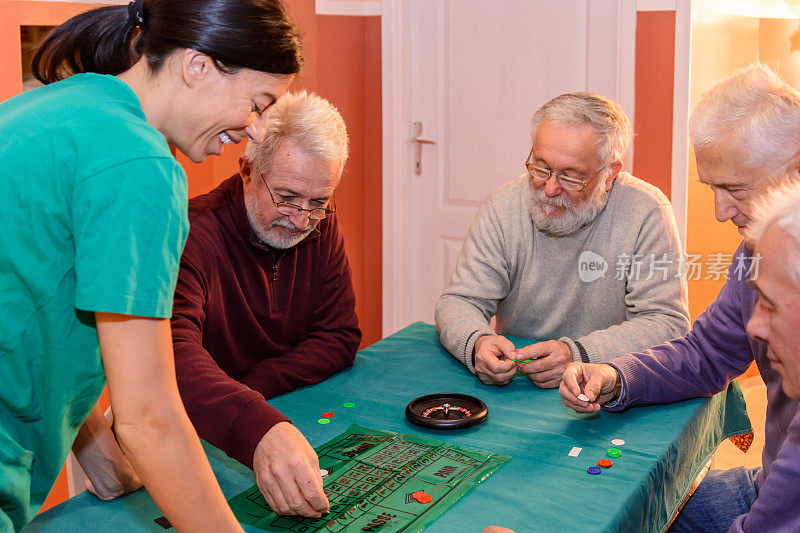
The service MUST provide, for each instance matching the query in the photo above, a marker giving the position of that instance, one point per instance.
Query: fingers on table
(288, 494)
(494, 371)
(503, 347)
(502, 378)
(312, 491)
(549, 379)
(539, 349)
(594, 385)
(570, 388)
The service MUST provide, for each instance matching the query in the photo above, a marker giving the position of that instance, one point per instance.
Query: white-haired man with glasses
(746, 136)
(573, 252)
(264, 302)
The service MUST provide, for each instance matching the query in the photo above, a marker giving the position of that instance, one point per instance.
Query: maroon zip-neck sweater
(250, 322)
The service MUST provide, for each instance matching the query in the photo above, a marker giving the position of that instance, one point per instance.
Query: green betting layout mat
(372, 476)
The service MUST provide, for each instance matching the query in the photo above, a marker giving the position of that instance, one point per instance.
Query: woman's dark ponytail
(254, 34)
(98, 40)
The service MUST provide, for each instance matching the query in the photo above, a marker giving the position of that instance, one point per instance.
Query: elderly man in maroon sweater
(264, 302)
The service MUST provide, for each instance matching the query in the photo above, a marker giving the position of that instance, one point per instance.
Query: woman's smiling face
(224, 108)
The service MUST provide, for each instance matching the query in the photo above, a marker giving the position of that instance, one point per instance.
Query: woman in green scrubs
(93, 218)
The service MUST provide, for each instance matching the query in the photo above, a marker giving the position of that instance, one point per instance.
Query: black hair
(253, 34)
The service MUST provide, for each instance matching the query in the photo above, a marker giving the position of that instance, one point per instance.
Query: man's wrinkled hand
(550, 360)
(600, 383)
(287, 473)
(494, 360)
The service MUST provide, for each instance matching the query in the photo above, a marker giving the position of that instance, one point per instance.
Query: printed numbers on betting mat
(371, 483)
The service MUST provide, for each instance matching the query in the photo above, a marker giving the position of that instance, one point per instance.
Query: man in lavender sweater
(746, 134)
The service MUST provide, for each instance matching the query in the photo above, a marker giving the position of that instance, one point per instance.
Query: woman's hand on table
(109, 474)
(119, 485)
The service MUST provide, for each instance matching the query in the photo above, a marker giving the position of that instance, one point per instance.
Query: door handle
(418, 142)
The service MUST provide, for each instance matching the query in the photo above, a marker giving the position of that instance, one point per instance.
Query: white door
(472, 73)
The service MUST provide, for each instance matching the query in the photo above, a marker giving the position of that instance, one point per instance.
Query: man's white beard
(572, 218)
(268, 232)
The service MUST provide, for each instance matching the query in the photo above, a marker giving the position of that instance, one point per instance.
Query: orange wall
(349, 75)
(655, 60)
(14, 14)
(721, 45)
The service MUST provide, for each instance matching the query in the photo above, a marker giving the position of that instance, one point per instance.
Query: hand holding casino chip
(599, 383)
(550, 359)
(287, 473)
(495, 360)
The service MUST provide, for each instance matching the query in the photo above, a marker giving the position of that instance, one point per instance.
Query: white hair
(779, 206)
(757, 112)
(310, 121)
(606, 118)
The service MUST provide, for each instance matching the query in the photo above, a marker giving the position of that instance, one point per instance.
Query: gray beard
(572, 219)
(269, 232)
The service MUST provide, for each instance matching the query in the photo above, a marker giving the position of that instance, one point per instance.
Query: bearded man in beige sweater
(573, 252)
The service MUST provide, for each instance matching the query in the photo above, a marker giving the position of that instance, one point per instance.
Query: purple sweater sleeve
(777, 507)
(224, 412)
(333, 334)
(701, 363)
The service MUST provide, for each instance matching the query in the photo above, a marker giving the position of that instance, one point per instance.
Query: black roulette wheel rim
(452, 417)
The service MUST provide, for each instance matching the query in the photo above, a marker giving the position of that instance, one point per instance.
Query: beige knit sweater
(544, 287)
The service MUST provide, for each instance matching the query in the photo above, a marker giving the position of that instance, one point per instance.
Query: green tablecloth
(541, 488)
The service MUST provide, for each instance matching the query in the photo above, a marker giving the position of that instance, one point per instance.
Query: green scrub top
(92, 218)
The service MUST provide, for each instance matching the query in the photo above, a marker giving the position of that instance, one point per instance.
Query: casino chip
(446, 411)
(328, 415)
(348, 405)
(594, 470)
(521, 363)
(618, 442)
(421, 496)
(614, 452)
(605, 463)
(323, 421)
(582, 397)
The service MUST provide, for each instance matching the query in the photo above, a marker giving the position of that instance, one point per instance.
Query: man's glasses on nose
(289, 209)
(541, 175)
